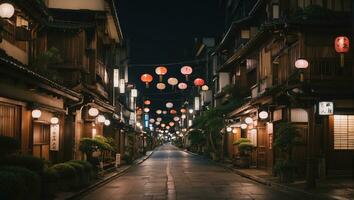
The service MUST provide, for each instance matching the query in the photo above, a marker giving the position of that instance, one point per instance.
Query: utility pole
(311, 147)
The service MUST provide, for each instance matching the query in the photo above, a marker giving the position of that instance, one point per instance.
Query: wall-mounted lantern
(36, 113)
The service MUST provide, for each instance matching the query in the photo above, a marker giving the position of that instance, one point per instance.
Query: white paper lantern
(228, 129)
(176, 119)
(301, 63)
(54, 120)
(205, 88)
(146, 110)
(36, 113)
(6, 10)
(152, 120)
(169, 105)
(243, 126)
(263, 115)
(107, 122)
(159, 119)
(158, 112)
(93, 112)
(249, 120)
(101, 119)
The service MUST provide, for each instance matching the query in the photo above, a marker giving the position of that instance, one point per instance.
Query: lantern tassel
(301, 77)
(160, 78)
(147, 85)
(342, 60)
(186, 77)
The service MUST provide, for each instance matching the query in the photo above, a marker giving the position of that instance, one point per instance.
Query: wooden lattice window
(343, 132)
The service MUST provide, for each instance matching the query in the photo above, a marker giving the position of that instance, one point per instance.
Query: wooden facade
(259, 52)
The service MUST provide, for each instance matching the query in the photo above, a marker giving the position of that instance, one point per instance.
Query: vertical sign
(122, 86)
(196, 103)
(54, 137)
(115, 78)
(325, 108)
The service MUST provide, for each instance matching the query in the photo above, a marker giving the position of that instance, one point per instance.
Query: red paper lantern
(147, 102)
(161, 71)
(182, 86)
(186, 70)
(341, 44)
(199, 82)
(146, 78)
(173, 112)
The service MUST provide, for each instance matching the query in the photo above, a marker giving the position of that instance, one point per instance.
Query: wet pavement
(173, 174)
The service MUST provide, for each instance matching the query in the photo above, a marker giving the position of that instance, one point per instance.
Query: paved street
(173, 174)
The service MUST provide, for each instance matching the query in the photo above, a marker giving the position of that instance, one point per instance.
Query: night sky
(163, 31)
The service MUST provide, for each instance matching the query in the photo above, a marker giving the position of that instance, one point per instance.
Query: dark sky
(163, 31)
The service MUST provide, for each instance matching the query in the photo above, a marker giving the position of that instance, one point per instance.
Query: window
(41, 136)
(9, 120)
(343, 132)
(276, 11)
(339, 5)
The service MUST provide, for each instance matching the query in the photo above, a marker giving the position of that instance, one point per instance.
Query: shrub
(32, 184)
(67, 176)
(29, 162)
(127, 159)
(11, 186)
(245, 146)
(88, 167)
(49, 182)
(83, 178)
(8, 145)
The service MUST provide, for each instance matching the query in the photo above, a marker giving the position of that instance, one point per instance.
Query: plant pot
(243, 162)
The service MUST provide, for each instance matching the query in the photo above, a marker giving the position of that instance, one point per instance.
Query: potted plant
(286, 139)
(245, 148)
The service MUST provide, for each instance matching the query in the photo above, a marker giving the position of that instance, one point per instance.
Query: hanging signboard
(54, 137)
(325, 108)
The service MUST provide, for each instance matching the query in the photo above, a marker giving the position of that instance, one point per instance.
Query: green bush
(67, 176)
(8, 145)
(29, 162)
(12, 186)
(127, 159)
(49, 181)
(245, 147)
(88, 167)
(83, 177)
(32, 184)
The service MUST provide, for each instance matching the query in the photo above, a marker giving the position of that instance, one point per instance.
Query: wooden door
(262, 148)
(41, 140)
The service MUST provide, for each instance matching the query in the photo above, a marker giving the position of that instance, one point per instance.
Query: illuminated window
(343, 132)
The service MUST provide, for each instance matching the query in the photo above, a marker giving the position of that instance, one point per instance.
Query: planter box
(242, 162)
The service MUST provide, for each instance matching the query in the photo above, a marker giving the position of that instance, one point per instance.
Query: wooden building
(257, 55)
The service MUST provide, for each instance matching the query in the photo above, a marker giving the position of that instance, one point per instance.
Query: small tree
(286, 139)
(197, 139)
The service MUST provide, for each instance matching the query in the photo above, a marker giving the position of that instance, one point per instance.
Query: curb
(108, 179)
(263, 181)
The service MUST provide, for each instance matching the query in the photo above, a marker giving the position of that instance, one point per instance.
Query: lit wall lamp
(228, 129)
(249, 120)
(93, 112)
(301, 64)
(36, 113)
(107, 122)
(263, 115)
(101, 119)
(54, 120)
(243, 126)
(7, 10)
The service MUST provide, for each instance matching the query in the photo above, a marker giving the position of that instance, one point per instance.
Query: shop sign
(325, 108)
(54, 137)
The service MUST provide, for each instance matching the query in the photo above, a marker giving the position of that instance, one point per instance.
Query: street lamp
(301, 64)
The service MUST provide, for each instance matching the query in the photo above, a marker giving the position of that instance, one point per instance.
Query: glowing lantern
(159, 119)
(101, 119)
(186, 70)
(54, 120)
(234, 130)
(182, 86)
(157, 123)
(168, 127)
(263, 114)
(341, 45)
(6, 10)
(146, 110)
(249, 120)
(176, 119)
(147, 102)
(36, 113)
(183, 116)
(107, 122)
(183, 110)
(164, 112)
(146, 78)
(199, 82)
(93, 112)
(169, 105)
(161, 86)
(205, 88)
(161, 71)
(152, 120)
(163, 125)
(228, 129)
(172, 81)
(158, 112)
(171, 123)
(301, 64)
(173, 112)
(243, 126)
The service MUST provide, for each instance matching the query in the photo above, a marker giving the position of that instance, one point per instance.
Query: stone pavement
(173, 174)
(334, 187)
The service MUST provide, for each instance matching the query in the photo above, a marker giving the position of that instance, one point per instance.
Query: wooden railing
(329, 69)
